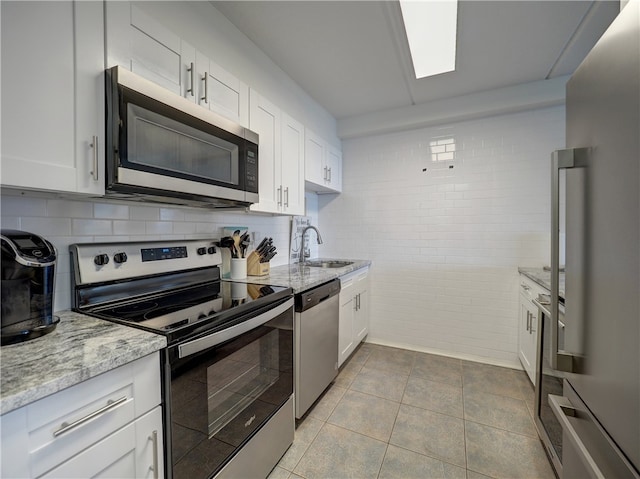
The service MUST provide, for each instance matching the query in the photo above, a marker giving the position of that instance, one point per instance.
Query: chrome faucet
(304, 231)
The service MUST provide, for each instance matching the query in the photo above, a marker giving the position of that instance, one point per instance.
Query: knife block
(255, 267)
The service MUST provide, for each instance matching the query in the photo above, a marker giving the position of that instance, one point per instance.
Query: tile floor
(393, 413)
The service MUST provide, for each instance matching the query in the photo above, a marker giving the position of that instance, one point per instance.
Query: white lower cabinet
(354, 312)
(107, 426)
(528, 326)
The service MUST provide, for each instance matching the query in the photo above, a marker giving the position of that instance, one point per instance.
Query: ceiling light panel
(431, 32)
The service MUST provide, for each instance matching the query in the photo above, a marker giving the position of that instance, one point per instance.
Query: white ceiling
(352, 57)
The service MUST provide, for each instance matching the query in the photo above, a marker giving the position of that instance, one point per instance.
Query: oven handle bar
(197, 345)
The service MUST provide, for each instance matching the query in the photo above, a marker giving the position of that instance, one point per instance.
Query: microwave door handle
(560, 160)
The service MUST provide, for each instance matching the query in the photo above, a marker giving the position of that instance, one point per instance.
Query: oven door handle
(200, 344)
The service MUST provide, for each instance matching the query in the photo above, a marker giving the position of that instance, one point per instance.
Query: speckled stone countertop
(302, 278)
(543, 278)
(80, 348)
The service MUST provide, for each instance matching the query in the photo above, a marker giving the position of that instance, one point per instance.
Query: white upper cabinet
(220, 91)
(144, 46)
(292, 166)
(280, 158)
(53, 96)
(323, 165)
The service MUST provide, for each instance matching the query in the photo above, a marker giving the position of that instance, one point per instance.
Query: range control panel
(101, 262)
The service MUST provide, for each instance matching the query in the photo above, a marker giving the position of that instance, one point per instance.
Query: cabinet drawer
(62, 425)
(530, 289)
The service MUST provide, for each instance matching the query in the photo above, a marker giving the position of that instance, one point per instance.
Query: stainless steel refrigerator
(588, 387)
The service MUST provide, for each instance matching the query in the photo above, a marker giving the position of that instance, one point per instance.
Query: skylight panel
(431, 32)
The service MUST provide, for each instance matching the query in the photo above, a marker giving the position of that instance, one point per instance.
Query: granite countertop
(302, 278)
(542, 277)
(80, 348)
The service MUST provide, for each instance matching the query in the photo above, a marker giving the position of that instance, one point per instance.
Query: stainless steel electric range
(228, 366)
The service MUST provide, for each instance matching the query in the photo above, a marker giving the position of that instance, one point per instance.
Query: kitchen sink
(327, 264)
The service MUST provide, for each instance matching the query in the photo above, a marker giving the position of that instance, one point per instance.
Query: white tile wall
(64, 222)
(446, 236)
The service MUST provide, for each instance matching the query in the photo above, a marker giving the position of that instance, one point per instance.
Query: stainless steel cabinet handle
(529, 321)
(325, 178)
(280, 195)
(560, 160)
(66, 427)
(525, 287)
(329, 179)
(286, 196)
(205, 98)
(154, 440)
(191, 71)
(94, 146)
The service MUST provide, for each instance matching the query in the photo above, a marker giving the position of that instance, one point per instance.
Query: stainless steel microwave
(163, 148)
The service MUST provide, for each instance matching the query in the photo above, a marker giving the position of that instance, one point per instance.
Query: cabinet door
(149, 445)
(361, 320)
(264, 119)
(90, 95)
(334, 169)
(228, 95)
(38, 147)
(346, 336)
(314, 168)
(292, 166)
(524, 337)
(143, 45)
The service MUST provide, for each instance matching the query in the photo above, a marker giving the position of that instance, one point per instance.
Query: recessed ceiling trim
(399, 36)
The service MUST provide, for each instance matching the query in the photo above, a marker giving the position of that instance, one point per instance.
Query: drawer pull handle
(154, 439)
(66, 427)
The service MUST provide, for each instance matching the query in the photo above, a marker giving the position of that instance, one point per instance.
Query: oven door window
(220, 398)
(159, 144)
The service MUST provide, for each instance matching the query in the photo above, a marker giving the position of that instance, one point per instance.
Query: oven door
(226, 389)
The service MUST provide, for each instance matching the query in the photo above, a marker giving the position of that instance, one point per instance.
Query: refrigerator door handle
(560, 160)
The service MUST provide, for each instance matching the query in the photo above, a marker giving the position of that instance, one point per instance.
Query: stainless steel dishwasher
(316, 344)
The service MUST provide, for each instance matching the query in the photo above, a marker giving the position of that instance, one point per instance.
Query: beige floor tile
(401, 463)
(390, 359)
(323, 408)
(430, 433)
(384, 384)
(304, 435)
(435, 396)
(365, 414)
(502, 454)
(502, 412)
(340, 453)
(438, 368)
(491, 379)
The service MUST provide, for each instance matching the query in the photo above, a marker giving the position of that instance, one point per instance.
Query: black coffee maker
(27, 282)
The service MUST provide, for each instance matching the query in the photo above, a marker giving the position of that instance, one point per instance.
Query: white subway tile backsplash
(151, 213)
(90, 227)
(446, 242)
(113, 211)
(128, 227)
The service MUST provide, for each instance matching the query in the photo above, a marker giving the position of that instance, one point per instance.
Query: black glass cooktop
(205, 305)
